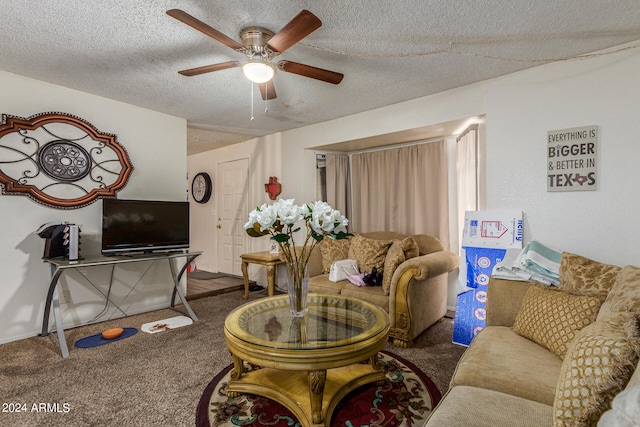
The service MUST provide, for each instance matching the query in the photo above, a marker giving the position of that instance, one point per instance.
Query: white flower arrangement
(280, 220)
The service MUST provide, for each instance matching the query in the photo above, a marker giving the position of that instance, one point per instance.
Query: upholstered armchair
(415, 268)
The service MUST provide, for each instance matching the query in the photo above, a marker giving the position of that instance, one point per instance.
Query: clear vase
(297, 288)
(298, 331)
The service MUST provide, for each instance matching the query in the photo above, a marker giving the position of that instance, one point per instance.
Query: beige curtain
(403, 190)
(468, 174)
(339, 183)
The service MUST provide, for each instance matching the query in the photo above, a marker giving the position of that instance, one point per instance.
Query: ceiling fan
(261, 46)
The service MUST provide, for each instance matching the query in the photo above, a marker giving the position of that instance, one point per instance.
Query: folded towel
(536, 262)
(539, 262)
(504, 268)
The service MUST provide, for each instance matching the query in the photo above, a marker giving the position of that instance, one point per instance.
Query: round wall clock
(201, 187)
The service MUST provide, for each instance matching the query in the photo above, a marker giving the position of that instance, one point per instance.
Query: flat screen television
(144, 226)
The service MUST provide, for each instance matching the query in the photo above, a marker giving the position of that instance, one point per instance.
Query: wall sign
(571, 159)
(60, 160)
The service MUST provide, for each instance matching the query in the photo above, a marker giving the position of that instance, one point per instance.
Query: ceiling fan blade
(267, 90)
(303, 24)
(185, 18)
(311, 72)
(209, 68)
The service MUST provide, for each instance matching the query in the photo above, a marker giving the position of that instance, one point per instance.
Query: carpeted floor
(150, 379)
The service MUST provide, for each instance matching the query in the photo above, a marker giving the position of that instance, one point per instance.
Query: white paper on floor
(166, 324)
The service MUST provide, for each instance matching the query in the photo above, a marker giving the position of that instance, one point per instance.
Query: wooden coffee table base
(307, 364)
(311, 396)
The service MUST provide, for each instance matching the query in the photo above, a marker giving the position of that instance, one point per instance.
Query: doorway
(233, 190)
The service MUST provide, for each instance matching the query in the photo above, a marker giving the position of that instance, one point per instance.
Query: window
(321, 177)
(470, 173)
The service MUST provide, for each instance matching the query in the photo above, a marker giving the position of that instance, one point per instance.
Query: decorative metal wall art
(60, 160)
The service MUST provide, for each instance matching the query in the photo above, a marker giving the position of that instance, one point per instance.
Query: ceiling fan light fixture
(258, 71)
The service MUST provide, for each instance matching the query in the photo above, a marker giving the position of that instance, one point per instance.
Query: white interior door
(232, 214)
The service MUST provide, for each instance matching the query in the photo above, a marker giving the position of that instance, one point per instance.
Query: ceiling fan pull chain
(252, 101)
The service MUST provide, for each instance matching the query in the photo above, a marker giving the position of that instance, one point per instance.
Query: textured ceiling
(388, 51)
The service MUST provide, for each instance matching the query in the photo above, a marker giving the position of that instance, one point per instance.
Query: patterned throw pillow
(368, 252)
(552, 318)
(625, 293)
(599, 363)
(410, 247)
(395, 257)
(582, 276)
(333, 250)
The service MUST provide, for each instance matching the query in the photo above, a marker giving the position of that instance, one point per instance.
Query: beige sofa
(507, 377)
(414, 290)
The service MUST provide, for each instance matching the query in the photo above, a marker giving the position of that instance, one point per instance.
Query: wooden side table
(269, 260)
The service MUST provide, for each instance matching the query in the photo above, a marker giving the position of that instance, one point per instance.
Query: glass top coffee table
(307, 364)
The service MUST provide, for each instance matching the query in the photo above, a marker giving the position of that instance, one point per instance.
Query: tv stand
(58, 266)
(146, 254)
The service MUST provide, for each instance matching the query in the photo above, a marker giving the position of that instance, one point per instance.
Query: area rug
(406, 399)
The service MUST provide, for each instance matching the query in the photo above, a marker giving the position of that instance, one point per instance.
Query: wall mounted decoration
(201, 187)
(273, 187)
(572, 155)
(60, 160)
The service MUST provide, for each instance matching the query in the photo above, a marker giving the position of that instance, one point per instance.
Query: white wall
(264, 161)
(523, 107)
(520, 108)
(155, 142)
